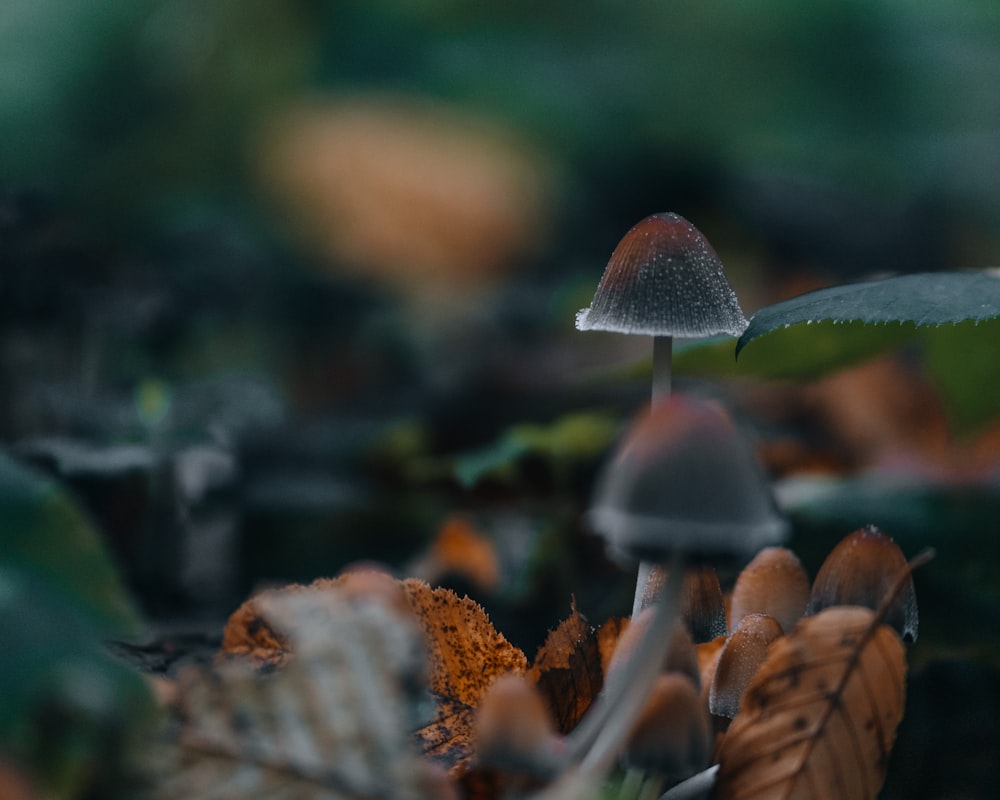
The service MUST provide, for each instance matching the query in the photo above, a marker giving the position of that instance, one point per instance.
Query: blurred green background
(285, 283)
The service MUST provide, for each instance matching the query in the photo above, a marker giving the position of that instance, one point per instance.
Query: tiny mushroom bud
(773, 583)
(742, 654)
(702, 604)
(673, 734)
(860, 571)
(514, 730)
(703, 608)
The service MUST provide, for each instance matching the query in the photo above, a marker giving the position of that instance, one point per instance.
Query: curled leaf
(819, 718)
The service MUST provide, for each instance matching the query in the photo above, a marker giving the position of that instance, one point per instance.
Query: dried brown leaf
(331, 724)
(465, 655)
(249, 635)
(569, 670)
(607, 639)
(819, 718)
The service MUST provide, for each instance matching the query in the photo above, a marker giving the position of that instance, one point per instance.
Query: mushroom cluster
(683, 486)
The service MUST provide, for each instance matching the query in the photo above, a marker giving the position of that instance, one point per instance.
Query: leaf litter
(368, 686)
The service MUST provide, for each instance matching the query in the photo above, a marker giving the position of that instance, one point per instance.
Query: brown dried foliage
(817, 719)
(820, 716)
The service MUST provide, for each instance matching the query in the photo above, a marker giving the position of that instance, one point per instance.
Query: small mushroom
(860, 571)
(684, 480)
(742, 654)
(673, 735)
(682, 485)
(773, 583)
(664, 280)
(514, 730)
(703, 607)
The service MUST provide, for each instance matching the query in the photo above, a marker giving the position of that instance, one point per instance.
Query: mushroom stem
(662, 366)
(642, 580)
(662, 372)
(603, 732)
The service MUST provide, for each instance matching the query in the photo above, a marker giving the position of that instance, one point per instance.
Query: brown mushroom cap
(860, 571)
(664, 279)
(684, 480)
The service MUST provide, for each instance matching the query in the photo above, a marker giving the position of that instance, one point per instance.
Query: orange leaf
(459, 549)
(820, 716)
(465, 651)
(249, 635)
(465, 655)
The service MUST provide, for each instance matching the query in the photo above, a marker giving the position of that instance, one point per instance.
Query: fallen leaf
(465, 655)
(410, 194)
(333, 723)
(249, 635)
(569, 667)
(819, 718)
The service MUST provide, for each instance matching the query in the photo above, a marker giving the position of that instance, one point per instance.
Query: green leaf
(714, 357)
(45, 534)
(953, 316)
(963, 363)
(573, 438)
(67, 706)
(928, 298)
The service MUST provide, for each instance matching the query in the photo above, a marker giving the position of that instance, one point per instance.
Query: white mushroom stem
(662, 366)
(662, 376)
(602, 733)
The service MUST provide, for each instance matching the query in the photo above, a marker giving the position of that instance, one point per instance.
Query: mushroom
(744, 651)
(682, 486)
(773, 583)
(672, 737)
(861, 571)
(684, 480)
(703, 607)
(514, 730)
(663, 280)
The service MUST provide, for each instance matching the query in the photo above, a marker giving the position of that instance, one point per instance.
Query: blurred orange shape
(405, 192)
